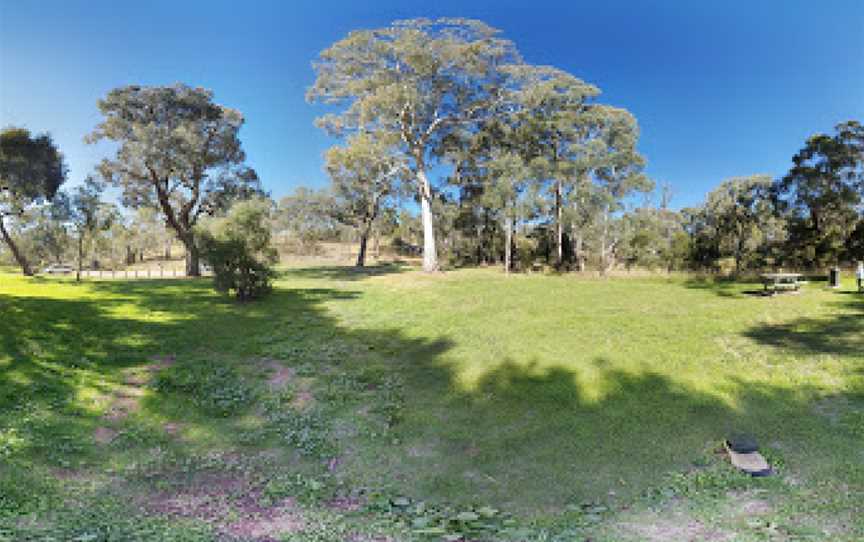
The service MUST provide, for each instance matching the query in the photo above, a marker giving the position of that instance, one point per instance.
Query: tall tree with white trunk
(419, 79)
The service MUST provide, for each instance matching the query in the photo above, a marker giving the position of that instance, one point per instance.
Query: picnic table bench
(775, 282)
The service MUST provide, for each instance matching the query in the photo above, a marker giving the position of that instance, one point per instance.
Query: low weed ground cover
(399, 405)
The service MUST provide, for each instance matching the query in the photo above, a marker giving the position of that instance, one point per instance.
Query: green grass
(507, 408)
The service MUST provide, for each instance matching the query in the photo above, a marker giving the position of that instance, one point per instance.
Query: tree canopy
(31, 170)
(178, 152)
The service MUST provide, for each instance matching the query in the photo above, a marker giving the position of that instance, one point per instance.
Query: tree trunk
(580, 252)
(361, 254)
(193, 260)
(559, 227)
(603, 237)
(19, 257)
(168, 250)
(508, 246)
(430, 256)
(80, 256)
(577, 243)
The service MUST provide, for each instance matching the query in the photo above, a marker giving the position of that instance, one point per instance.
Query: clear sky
(720, 89)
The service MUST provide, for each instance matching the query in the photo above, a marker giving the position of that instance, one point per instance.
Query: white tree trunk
(430, 256)
(559, 226)
(508, 245)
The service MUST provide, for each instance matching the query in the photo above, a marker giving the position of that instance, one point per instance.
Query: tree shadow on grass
(842, 333)
(62, 357)
(725, 287)
(524, 437)
(347, 273)
(531, 439)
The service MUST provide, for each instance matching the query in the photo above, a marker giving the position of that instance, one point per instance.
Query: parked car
(58, 269)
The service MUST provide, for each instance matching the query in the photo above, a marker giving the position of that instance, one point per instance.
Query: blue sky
(720, 89)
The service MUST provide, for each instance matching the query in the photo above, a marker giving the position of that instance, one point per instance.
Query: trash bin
(834, 277)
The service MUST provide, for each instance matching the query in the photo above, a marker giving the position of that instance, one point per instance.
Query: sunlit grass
(530, 393)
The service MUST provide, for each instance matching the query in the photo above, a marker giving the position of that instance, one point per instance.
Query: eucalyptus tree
(178, 152)
(509, 178)
(31, 170)
(824, 190)
(88, 215)
(418, 79)
(616, 168)
(586, 151)
(740, 220)
(550, 106)
(43, 235)
(364, 173)
(308, 216)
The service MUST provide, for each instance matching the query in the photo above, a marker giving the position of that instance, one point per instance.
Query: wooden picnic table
(774, 282)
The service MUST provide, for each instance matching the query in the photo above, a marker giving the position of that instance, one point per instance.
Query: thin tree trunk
(559, 227)
(430, 256)
(19, 257)
(508, 246)
(168, 250)
(377, 244)
(361, 254)
(80, 256)
(603, 237)
(580, 252)
(193, 260)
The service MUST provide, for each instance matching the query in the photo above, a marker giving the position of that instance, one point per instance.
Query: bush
(237, 248)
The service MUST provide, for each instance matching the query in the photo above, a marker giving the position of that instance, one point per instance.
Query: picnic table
(775, 282)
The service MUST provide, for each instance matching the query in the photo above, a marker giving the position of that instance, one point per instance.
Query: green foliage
(442, 522)
(739, 220)
(237, 247)
(31, 170)
(109, 519)
(178, 152)
(214, 387)
(824, 189)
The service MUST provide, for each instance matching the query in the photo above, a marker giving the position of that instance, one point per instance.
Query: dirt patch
(672, 525)
(303, 400)
(345, 504)
(136, 379)
(121, 407)
(104, 435)
(280, 375)
(232, 507)
(755, 507)
(172, 428)
(161, 362)
(748, 503)
(266, 526)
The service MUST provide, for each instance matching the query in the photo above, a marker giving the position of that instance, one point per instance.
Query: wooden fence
(137, 273)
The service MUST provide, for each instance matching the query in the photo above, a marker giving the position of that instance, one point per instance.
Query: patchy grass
(391, 404)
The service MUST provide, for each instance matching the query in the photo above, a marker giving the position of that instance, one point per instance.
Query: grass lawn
(395, 405)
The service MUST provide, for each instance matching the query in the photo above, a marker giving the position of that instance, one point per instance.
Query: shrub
(237, 248)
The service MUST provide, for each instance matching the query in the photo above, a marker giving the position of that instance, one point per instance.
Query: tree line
(449, 145)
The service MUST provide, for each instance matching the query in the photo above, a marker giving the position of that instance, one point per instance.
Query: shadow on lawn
(524, 438)
(531, 439)
(347, 273)
(839, 334)
(726, 287)
(54, 349)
